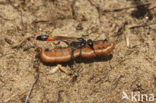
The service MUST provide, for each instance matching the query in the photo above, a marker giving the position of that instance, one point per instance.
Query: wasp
(77, 47)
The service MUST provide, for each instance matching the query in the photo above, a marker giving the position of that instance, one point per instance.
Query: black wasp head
(90, 43)
(42, 37)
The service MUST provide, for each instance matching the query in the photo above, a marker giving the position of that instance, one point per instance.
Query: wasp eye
(42, 37)
(90, 43)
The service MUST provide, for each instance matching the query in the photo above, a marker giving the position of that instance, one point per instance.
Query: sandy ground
(131, 69)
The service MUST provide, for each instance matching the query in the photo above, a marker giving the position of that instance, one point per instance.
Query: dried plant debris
(142, 10)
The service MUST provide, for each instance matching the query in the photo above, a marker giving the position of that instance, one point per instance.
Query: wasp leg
(73, 49)
(78, 44)
(80, 52)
